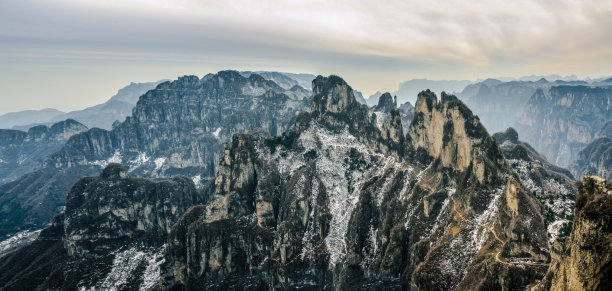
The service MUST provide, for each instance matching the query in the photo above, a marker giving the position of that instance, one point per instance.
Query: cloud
(396, 40)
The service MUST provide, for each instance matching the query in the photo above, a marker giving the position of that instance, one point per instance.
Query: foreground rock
(345, 199)
(111, 235)
(583, 261)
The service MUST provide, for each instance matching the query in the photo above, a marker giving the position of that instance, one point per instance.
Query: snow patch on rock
(216, 132)
(115, 158)
(18, 239)
(140, 160)
(159, 162)
(197, 181)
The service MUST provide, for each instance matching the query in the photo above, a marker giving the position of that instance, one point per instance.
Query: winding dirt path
(497, 257)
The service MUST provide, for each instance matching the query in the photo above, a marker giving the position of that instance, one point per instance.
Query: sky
(70, 54)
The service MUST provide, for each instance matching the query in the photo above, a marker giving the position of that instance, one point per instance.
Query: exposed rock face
(340, 201)
(112, 234)
(583, 261)
(562, 121)
(124, 210)
(22, 152)
(596, 158)
(553, 186)
(180, 127)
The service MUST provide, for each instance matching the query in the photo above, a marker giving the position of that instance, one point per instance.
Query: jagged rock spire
(386, 103)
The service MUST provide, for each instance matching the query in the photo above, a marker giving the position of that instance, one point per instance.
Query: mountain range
(234, 181)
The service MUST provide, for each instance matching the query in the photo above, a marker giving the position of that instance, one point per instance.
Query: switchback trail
(497, 255)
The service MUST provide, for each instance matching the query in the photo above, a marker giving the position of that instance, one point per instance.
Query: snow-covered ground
(17, 240)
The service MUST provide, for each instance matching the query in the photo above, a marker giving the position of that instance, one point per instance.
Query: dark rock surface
(30, 202)
(386, 103)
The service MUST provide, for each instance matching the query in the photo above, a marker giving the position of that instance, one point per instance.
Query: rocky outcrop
(582, 261)
(386, 103)
(552, 185)
(342, 201)
(113, 210)
(562, 121)
(111, 235)
(22, 152)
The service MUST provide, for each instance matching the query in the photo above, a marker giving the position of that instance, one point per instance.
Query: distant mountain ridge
(312, 191)
(102, 115)
(561, 121)
(22, 152)
(20, 118)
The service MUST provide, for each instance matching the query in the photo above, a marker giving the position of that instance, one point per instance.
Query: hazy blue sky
(68, 54)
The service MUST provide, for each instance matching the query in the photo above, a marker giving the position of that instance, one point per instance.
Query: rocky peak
(509, 135)
(331, 95)
(386, 103)
(114, 171)
(448, 130)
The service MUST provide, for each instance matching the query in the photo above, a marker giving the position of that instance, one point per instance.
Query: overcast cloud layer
(70, 54)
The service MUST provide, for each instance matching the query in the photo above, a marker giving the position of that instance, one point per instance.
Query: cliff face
(124, 210)
(112, 234)
(582, 261)
(22, 152)
(344, 199)
(180, 126)
(552, 185)
(561, 122)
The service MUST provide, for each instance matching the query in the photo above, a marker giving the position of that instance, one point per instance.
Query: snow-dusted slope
(345, 196)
